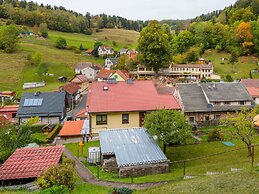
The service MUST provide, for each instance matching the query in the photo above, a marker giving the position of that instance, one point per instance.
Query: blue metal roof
(131, 147)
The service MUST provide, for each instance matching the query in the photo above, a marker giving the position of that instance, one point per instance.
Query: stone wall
(110, 165)
(143, 170)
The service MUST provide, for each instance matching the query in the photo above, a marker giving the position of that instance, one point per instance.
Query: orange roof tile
(71, 128)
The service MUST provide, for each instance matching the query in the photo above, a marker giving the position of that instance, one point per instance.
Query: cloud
(144, 9)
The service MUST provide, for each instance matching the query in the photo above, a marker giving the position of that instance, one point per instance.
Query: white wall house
(103, 50)
(88, 69)
(109, 62)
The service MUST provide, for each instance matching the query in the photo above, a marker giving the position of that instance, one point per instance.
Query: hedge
(54, 133)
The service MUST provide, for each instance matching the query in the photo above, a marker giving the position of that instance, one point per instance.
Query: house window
(191, 119)
(216, 103)
(207, 118)
(217, 117)
(242, 103)
(125, 118)
(101, 119)
(227, 103)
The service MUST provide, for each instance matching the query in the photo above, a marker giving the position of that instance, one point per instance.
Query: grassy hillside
(241, 69)
(15, 70)
(241, 182)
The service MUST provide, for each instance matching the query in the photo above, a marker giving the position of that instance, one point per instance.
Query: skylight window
(32, 102)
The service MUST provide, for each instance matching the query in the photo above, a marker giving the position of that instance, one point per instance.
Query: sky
(143, 9)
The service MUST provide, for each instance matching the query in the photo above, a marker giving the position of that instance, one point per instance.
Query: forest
(61, 19)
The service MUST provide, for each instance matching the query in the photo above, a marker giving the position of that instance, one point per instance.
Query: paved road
(86, 175)
(81, 105)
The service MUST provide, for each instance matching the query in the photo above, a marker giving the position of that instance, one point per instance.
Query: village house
(72, 94)
(132, 54)
(48, 106)
(109, 62)
(124, 104)
(118, 75)
(207, 103)
(7, 95)
(104, 50)
(9, 112)
(131, 151)
(252, 86)
(88, 69)
(82, 81)
(192, 71)
(27, 164)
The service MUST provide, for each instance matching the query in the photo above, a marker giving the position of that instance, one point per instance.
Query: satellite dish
(210, 106)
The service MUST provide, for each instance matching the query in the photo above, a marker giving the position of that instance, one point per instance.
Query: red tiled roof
(253, 91)
(9, 108)
(81, 113)
(124, 74)
(250, 82)
(105, 73)
(71, 88)
(30, 162)
(7, 93)
(139, 96)
(71, 128)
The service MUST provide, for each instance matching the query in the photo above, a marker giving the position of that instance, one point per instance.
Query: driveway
(81, 105)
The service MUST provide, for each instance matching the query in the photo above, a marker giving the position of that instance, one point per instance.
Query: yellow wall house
(124, 104)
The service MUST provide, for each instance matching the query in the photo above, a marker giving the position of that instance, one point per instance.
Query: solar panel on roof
(32, 102)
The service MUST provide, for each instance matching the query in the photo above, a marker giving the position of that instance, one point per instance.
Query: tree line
(61, 19)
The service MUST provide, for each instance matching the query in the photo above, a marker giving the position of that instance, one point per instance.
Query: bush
(215, 135)
(59, 175)
(61, 43)
(122, 191)
(55, 190)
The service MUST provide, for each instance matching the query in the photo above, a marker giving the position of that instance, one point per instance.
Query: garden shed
(131, 152)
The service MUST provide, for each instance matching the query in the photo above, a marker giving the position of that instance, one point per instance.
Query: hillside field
(15, 69)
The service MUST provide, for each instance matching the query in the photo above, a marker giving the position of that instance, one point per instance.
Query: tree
(43, 28)
(11, 138)
(96, 46)
(233, 58)
(42, 69)
(154, 46)
(36, 58)
(183, 42)
(57, 176)
(169, 126)
(81, 47)
(243, 126)
(8, 38)
(193, 54)
(229, 78)
(61, 43)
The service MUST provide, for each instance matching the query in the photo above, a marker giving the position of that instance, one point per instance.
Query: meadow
(15, 69)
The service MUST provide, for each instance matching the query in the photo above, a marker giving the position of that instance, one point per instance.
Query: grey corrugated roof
(194, 100)
(131, 146)
(225, 91)
(53, 105)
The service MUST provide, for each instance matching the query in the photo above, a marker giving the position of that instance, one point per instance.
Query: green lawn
(241, 182)
(15, 69)
(219, 163)
(241, 68)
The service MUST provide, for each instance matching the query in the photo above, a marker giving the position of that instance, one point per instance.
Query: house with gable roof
(105, 50)
(109, 62)
(124, 104)
(207, 103)
(48, 106)
(88, 69)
